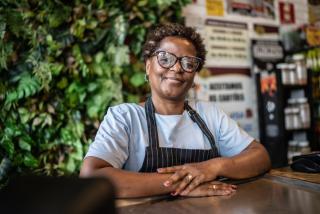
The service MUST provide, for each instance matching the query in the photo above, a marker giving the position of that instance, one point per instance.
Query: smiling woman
(167, 70)
(169, 144)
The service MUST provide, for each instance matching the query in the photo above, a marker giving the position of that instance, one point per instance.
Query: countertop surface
(287, 172)
(266, 194)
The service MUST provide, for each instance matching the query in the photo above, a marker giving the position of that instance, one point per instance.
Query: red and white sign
(287, 15)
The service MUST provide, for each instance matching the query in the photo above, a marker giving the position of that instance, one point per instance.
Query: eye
(190, 63)
(166, 59)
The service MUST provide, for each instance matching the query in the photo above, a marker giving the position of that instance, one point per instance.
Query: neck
(168, 107)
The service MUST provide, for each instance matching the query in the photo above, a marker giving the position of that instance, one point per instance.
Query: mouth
(173, 80)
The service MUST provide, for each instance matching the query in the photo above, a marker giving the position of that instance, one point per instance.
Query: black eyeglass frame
(156, 53)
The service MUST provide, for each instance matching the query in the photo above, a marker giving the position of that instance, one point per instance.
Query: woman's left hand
(189, 175)
(213, 188)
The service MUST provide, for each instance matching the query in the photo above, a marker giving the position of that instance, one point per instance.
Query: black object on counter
(309, 163)
(51, 195)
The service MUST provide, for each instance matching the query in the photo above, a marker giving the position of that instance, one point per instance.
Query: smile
(173, 79)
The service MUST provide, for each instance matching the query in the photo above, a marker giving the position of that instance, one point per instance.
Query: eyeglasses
(167, 60)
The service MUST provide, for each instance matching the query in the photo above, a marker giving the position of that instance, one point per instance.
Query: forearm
(133, 184)
(251, 162)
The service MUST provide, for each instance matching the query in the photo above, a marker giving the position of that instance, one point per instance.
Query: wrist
(216, 167)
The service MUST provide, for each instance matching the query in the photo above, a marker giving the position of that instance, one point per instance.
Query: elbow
(266, 160)
(93, 167)
(268, 165)
(85, 172)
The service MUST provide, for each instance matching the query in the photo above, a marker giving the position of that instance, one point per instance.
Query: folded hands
(195, 180)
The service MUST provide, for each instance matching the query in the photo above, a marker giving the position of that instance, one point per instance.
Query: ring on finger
(214, 187)
(189, 177)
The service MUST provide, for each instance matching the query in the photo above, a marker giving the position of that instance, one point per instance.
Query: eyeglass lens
(167, 60)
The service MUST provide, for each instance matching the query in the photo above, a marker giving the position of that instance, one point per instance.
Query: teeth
(173, 79)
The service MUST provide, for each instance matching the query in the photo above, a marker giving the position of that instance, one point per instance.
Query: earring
(146, 77)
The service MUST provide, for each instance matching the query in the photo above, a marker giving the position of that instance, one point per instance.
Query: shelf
(295, 86)
(299, 130)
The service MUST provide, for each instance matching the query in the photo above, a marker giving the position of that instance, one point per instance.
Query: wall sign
(227, 44)
(257, 8)
(215, 7)
(287, 15)
(232, 91)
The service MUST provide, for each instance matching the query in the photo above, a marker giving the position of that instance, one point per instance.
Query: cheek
(155, 70)
(191, 79)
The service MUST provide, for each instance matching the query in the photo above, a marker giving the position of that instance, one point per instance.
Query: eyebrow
(175, 54)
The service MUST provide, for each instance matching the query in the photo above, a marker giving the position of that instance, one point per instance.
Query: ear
(148, 65)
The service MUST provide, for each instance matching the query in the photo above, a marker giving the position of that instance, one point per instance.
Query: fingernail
(159, 170)
(184, 193)
(166, 183)
(174, 193)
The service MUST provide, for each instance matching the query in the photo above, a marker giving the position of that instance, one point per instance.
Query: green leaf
(62, 83)
(58, 17)
(8, 146)
(137, 79)
(70, 166)
(133, 98)
(98, 57)
(24, 145)
(93, 111)
(30, 161)
(11, 97)
(78, 153)
(120, 55)
(24, 114)
(6, 49)
(92, 86)
(56, 68)
(142, 3)
(2, 29)
(120, 27)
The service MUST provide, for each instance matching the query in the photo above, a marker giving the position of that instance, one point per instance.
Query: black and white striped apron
(157, 157)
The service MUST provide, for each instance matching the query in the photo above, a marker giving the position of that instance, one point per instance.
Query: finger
(224, 184)
(193, 184)
(175, 178)
(221, 189)
(170, 169)
(228, 189)
(229, 186)
(184, 183)
(219, 192)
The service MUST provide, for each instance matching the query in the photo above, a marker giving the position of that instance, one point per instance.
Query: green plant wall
(62, 64)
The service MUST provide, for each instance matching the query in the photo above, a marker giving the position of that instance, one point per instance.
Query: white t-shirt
(123, 134)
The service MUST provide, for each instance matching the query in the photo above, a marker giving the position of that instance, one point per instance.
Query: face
(171, 83)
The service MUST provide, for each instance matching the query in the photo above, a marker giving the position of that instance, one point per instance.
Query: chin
(174, 96)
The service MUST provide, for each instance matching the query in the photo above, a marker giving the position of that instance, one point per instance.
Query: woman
(169, 145)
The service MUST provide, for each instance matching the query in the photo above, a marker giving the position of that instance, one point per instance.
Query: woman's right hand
(213, 188)
(189, 176)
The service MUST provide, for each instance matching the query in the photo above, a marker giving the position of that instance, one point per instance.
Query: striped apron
(158, 157)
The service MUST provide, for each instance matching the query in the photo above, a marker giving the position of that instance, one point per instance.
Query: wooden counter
(267, 194)
(287, 172)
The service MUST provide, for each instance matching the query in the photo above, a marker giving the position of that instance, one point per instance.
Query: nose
(177, 67)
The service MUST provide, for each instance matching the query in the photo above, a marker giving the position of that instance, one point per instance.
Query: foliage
(62, 64)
